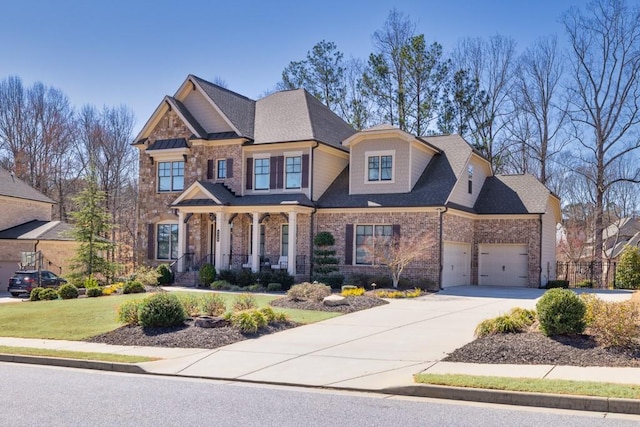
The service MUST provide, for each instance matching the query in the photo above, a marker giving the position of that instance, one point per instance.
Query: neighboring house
(26, 228)
(247, 184)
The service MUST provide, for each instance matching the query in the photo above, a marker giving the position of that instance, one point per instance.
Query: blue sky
(134, 52)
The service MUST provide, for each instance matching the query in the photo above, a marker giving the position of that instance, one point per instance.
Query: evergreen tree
(628, 269)
(324, 261)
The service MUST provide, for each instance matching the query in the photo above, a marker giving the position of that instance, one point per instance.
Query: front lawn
(79, 319)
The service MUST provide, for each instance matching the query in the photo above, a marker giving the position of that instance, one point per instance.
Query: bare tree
(355, 106)
(605, 94)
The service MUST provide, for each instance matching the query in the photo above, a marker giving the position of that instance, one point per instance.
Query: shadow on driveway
(521, 293)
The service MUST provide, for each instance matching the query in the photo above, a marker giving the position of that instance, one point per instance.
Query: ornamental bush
(612, 324)
(244, 302)
(628, 269)
(561, 312)
(35, 294)
(517, 320)
(94, 292)
(68, 291)
(309, 292)
(160, 310)
(133, 287)
(212, 305)
(48, 294)
(165, 274)
(128, 312)
(207, 275)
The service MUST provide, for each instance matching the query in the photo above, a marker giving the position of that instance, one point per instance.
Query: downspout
(540, 254)
(313, 213)
(35, 251)
(441, 212)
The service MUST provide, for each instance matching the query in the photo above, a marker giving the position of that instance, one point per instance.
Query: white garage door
(7, 268)
(503, 265)
(456, 264)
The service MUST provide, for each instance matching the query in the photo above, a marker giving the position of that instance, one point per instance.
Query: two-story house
(240, 183)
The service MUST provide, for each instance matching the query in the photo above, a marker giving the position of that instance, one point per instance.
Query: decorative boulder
(210, 322)
(334, 300)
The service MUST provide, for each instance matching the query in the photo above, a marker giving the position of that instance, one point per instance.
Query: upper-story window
(222, 169)
(261, 174)
(171, 176)
(293, 172)
(379, 166)
(470, 176)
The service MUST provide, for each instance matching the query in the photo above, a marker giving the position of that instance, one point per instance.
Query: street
(38, 395)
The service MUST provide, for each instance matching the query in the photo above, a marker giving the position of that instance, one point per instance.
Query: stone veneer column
(293, 241)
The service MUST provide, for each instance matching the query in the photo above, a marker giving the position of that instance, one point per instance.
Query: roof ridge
(221, 88)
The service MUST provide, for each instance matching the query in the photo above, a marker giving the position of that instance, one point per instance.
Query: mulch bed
(189, 336)
(534, 348)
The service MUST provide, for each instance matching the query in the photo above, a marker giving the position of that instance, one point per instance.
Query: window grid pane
(261, 172)
(222, 169)
(386, 168)
(374, 168)
(284, 251)
(294, 172)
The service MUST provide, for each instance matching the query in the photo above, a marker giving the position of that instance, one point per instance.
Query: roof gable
(10, 186)
(512, 194)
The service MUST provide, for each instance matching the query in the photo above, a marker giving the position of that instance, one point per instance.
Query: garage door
(456, 264)
(6, 270)
(503, 265)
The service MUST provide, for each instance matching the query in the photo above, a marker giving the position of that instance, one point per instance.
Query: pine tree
(628, 269)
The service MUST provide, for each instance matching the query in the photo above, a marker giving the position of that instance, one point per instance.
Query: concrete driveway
(372, 349)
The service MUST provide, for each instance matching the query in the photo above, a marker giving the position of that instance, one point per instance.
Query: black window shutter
(396, 235)
(348, 245)
(230, 167)
(280, 175)
(305, 171)
(273, 172)
(210, 169)
(249, 182)
(186, 238)
(151, 242)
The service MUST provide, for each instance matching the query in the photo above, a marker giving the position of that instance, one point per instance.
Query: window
(261, 242)
(284, 240)
(367, 245)
(261, 172)
(470, 175)
(167, 238)
(380, 167)
(294, 172)
(222, 169)
(171, 176)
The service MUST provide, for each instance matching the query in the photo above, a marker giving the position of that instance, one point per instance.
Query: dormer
(385, 159)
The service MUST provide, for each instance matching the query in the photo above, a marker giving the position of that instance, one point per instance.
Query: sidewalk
(376, 350)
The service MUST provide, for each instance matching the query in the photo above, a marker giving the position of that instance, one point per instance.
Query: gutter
(441, 248)
(540, 255)
(315, 209)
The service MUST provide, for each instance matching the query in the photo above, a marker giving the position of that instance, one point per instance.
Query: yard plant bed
(534, 348)
(185, 336)
(355, 304)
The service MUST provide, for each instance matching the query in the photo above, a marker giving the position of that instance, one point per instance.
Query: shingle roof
(295, 115)
(188, 116)
(512, 194)
(165, 144)
(11, 186)
(239, 109)
(41, 230)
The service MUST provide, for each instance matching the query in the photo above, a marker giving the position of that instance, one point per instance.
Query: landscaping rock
(334, 300)
(210, 322)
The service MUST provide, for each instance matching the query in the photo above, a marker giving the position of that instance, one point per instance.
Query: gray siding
(460, 194)
(326, 168)
(205, 114)
(401, 168)
(419, 160)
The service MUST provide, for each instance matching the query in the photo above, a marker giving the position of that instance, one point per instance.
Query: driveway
(6, 297)
(372, 349)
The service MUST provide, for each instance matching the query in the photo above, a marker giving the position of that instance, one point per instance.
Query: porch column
(182, 238)
(293, 243)
(255, 239)
(221, 241)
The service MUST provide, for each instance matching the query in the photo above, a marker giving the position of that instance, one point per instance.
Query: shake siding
(325, 169)
(549, 221)
(358, 167)
(460, 194)
(205, 114)
(419, 161)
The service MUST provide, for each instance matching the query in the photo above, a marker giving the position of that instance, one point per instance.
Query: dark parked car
(23, 281)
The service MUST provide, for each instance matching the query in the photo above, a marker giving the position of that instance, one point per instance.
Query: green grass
(533, 385)
(104, 357)
(79, 319)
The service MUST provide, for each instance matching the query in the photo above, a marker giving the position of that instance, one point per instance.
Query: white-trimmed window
(167, 241)
(171, 176)
(470, 177)
(379, 166)
(293, 172)
(221, 168)
(368, 237)
(284, 240)
(261, 173)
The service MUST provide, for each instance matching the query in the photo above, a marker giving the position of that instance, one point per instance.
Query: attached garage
(456, 264)
(503, 265)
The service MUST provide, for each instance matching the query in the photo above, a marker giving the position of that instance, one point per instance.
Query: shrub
(414, 293)
(552, 284)
(47, 294)
(309, 292)
(161, 309)
(255, 288)
(612, 324)
(284, 278)
(274, 287)
(359, 280)
(147, 276)
(245, 322)
(561, 312)
(268, 314)
(190, 304)
(112, 289)
(353, 292)
(264, 277)
(584, 284)
(244, 302)
(94, 292)
(523, 314)
(628, 269)
(34, 295)
(68, 291)
(90, 282)
(221, 285)
(133, 287)
(245, 278)
(333, 280)
(165, 275)
(517, 320)
(207, 275)
(228, 276)
(128, 312)
(212, 305)
(260, 318)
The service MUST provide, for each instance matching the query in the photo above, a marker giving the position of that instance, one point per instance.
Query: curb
(519, 398)
(73, 363)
